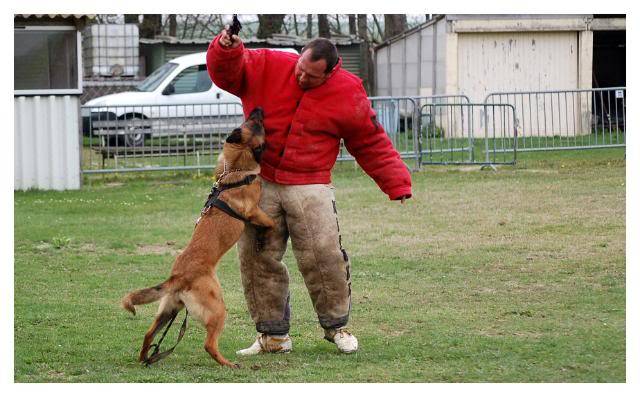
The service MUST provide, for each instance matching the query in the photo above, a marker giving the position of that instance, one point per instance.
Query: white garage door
(530, 61)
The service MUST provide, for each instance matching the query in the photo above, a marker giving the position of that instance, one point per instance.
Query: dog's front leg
(260, 218)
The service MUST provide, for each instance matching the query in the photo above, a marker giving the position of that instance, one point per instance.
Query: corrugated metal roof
(77, 16)
(277, 39)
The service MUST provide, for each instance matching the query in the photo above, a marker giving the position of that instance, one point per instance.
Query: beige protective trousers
(307, 214)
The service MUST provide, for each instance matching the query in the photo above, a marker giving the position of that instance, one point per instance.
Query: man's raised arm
(225, 62)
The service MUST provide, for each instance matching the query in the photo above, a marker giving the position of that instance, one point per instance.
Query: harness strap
(155, 355)
(224, 207)
(247, 180)
(214, 201)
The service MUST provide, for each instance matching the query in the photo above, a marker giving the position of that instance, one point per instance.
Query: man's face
(310, 74)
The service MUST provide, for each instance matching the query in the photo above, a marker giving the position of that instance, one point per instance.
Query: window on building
(46, 61)
(191, 80)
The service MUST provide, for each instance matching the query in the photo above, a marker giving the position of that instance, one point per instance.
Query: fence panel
(467, 133)
(155, 137)
(444, 130)
(397, 115)
(567, 119)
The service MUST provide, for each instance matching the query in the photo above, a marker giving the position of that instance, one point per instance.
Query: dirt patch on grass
(43, 246)
(159, 249)
(493, 333)
(88, 247)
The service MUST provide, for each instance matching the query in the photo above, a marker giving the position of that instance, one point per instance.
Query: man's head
(318, 59)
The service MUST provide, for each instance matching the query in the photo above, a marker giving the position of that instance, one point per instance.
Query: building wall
(478, 54)
(414, 65)
(46, 142)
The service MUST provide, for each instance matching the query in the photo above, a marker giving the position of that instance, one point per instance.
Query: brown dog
(193, 282)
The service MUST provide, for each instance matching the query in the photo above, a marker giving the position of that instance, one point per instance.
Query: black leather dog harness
(214, 201)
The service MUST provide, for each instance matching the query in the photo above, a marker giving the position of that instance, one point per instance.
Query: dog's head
(250, 134)
(249, 139)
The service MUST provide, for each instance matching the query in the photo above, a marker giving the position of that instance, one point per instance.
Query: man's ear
(235, 136)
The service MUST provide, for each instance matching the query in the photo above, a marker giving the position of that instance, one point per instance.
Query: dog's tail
(145, 295)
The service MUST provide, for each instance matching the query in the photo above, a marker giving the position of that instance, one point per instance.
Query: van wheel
(134, 135)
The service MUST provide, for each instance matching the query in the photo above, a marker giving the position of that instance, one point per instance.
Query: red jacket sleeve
(226, 66)
(368, 142)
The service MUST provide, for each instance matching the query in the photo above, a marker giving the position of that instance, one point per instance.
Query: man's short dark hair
(322, 48)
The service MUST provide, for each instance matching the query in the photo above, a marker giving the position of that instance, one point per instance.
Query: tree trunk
(323, 26)
(394, 24)
(362, 26)
(150, 26)
(295, 25)
(309, 26)
(338, 28)
(269, 25)
(132, 18)
(366, 60)
(173, 25)
(352, 24)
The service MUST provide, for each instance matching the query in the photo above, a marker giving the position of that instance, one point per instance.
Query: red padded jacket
(303, 128)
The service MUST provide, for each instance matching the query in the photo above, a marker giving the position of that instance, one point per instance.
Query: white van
(178, 92)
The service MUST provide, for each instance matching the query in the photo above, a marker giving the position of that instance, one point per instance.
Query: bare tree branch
(380, 31)
(184, 26)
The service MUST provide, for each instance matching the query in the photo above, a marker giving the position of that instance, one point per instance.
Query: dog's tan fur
(193, 282)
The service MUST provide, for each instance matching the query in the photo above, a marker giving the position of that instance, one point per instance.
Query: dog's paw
(234, 365)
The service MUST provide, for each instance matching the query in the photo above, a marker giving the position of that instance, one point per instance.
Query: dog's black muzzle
(257, 152)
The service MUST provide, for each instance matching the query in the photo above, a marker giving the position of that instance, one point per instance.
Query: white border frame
(63, 91)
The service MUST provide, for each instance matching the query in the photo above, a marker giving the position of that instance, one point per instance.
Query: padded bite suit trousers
(307, 214)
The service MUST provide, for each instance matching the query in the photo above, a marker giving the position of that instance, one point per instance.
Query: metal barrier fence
(397, 116)
(155, 137)
(428, 130)
(401, 119)
(445, 129)
(468, 133)
(567, 119)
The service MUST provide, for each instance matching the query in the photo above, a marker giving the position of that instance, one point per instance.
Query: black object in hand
(235, 26)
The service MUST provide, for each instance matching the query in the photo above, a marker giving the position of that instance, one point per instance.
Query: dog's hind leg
(204, 302)
(214, 326)
(169, 307)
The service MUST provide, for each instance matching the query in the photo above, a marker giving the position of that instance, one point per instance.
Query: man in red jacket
(310, 103)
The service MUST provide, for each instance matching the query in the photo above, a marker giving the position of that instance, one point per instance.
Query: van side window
(191, 80)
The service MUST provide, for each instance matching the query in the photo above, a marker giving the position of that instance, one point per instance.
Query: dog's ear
(257, 114)
(235, 136)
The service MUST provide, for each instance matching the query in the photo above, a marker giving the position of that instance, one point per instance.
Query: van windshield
(153, 81)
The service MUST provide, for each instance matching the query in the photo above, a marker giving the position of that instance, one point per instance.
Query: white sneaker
(346, 342)
(268, 344)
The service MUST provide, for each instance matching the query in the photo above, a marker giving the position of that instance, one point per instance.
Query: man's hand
(229, 41)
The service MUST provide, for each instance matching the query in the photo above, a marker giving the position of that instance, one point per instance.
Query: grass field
(514, 275)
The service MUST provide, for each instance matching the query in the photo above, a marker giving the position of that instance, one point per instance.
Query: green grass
(514, 275)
